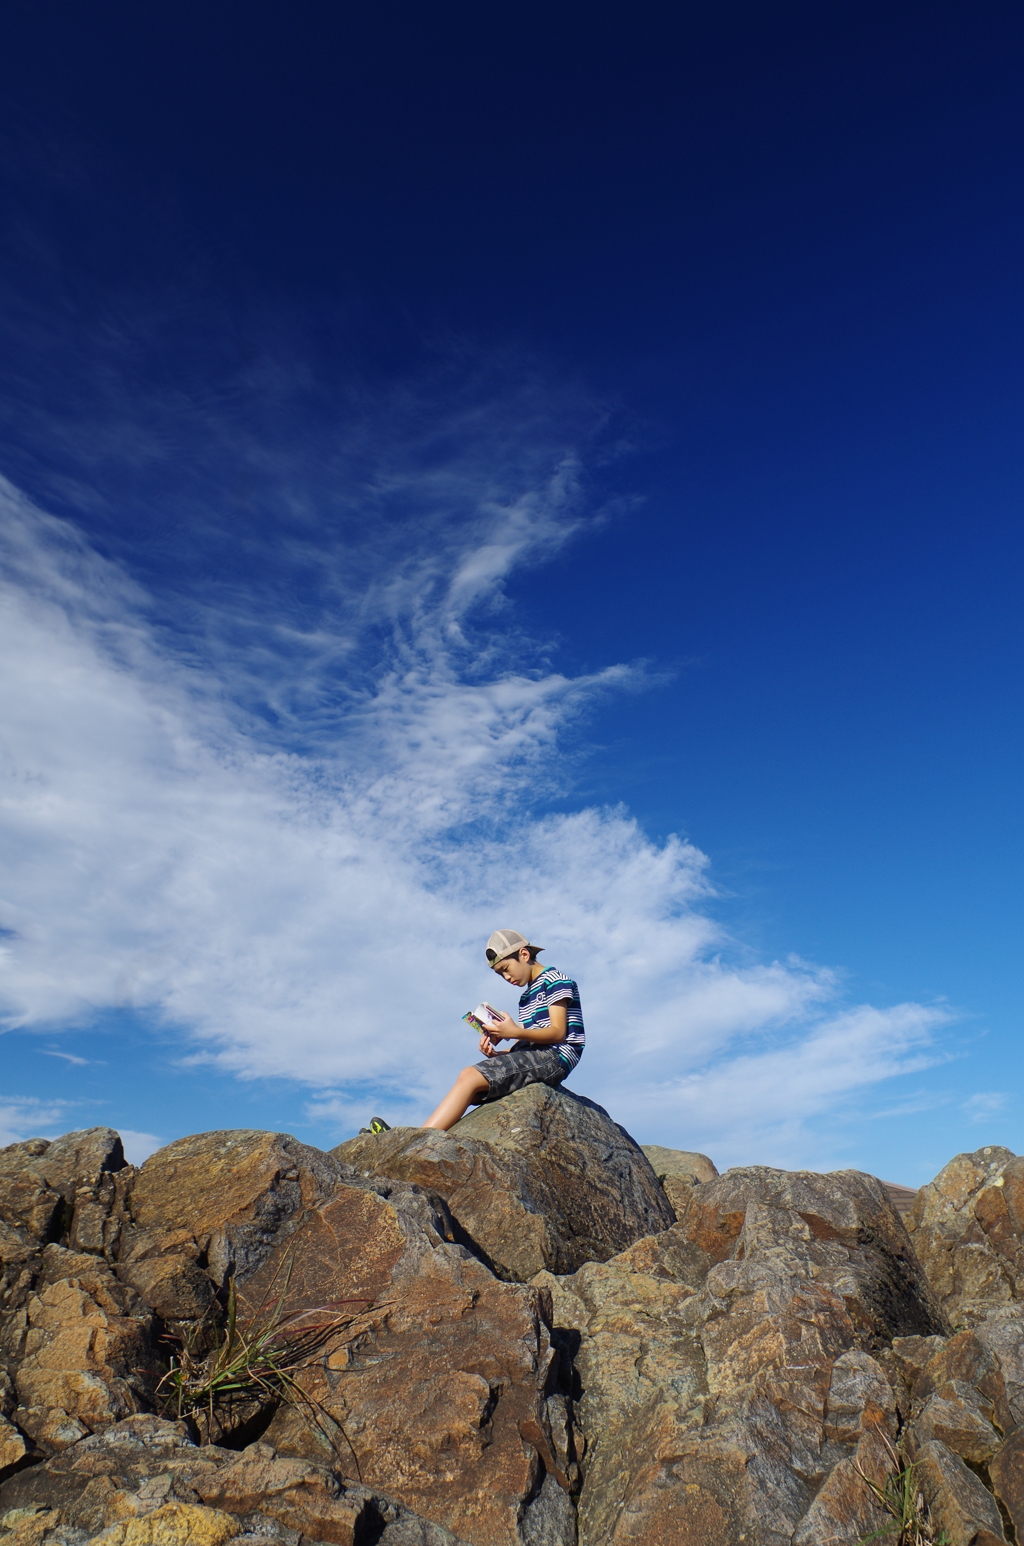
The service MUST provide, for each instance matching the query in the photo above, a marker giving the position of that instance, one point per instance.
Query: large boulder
(967, 1227)
(540, 1179)
(444, 1391)
(732, 1374)
(210, 1207)
(678, 1170)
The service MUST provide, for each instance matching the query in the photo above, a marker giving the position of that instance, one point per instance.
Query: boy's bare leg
(468, 1087)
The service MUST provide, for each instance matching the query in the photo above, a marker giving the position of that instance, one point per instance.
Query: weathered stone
(29, 1527)
(78, 1361)
(173, 1525)
(12, 1445)
(303, 1496)
(439, 1393)
(956, 1418)
(101, 1212)
(967, 1227)
(852, 1232)
(540, 1179)
(679, 1170)
(1002, 1335)
(213, 1206)
(728, 1360)
(958, 1502)
(846, 1510)
(140, 1468)
(1007, 1473)
(78, 1156)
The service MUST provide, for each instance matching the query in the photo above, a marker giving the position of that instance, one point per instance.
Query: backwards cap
(506, 942)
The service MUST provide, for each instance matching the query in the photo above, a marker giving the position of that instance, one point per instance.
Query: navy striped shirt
(553, 987)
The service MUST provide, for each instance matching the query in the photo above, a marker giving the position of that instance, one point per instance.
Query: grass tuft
(254, 1364)
(903, 1501)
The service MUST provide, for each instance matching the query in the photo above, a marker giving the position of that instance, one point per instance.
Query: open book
(482, 1018)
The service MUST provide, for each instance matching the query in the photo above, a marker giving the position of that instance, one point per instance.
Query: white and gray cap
(506, 942)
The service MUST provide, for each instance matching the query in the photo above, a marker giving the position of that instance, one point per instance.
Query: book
(482, 1018)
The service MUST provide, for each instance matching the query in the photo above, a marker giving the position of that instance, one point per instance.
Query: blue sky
(552, 467)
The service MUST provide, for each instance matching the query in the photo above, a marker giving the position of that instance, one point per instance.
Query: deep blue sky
(771, 255)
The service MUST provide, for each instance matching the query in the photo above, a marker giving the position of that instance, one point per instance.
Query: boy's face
(517, 969)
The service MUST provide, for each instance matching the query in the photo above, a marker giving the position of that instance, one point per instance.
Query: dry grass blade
(902, 1500)
(255, 1362)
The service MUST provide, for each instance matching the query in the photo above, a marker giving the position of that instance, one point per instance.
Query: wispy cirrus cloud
(280, 803)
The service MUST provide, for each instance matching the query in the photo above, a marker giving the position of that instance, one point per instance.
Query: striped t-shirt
(553, 987)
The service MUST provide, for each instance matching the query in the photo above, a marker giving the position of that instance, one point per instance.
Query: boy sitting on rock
(548, 1043)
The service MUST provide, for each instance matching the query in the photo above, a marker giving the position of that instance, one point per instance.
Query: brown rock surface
(958, 1501)
(729, 1361)
(540, 1179)
(79, 1347)
(967, 1227)
(213, 1206)
(146, 1474)
(679, 1170)
(442, 1397)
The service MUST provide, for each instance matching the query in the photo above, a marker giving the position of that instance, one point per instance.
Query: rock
(1001, 1333)
(966, 1227)
(172, 1525)
(1007, 1473)
(213, 1206)
(80, 1156)
(146, 1475)
(539, 1179)
(13, 1448)
(78, 1347)
(442, 1393)
(728, 1385)
(858, 1239)
(679, 1170)
(958, 1502)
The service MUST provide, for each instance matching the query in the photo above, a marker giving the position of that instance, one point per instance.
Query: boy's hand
(504, 1028)
(487, 1047)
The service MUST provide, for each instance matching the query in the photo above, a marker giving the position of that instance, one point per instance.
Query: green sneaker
(378, 1125)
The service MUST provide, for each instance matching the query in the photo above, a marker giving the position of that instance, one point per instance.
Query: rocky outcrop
(729, 1384)
(145, 1481)
(541, 1179)
(535, 1336)
(679, 1170)
(968, 1231)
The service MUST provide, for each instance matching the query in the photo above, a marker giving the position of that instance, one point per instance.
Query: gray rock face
(540, 1179)
(679, 1170)
(730, 1384)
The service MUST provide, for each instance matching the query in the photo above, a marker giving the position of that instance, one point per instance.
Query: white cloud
(139, 1146)
(312, 906)
(985, 1104)
(23, 1117)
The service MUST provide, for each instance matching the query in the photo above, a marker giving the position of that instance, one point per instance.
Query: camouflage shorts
(515, 1070)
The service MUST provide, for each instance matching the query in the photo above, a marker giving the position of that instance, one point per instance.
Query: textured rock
(540, 1179)
(213, 1206)
(442, 1396)
(146, 1473)
(728, 1387)
(958, 1502)
(967, 1227)
(78, 1346)
(679, 1170)
(172, 1525)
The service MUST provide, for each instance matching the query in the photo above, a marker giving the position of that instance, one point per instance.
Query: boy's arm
(543, 1035)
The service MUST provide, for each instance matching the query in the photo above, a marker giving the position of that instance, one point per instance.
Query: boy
(548, 1044)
